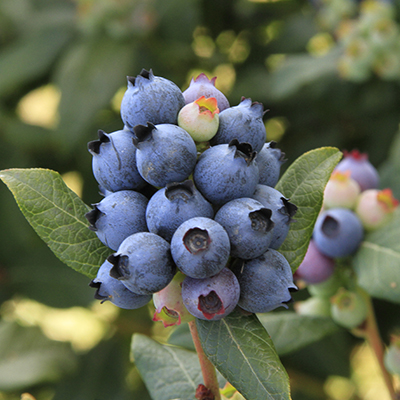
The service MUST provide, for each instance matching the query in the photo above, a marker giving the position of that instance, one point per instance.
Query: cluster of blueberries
(352, 206)
(189, 208)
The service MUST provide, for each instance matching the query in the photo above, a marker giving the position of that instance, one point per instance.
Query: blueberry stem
(370, 332)
(207, 368)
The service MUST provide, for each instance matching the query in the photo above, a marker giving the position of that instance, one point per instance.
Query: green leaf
(182, 337)
(290, 331)
(377, 262)
(57, 215)
(169, 372)
(241, 349)
(304, 183)
(29, 358)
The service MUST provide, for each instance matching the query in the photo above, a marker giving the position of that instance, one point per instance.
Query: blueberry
(143, 263)
(150, 98)
(265, 282)
(244, 123)
(282, 209)
(211, 298)
(200, 119)
(202, 86)
(114, 161)
(338, 232)
(168, 303)
(349, 308)
(341, 191)
(166, 153)
(226, 172)
(361, 170)
(375, 208)
(269, 161)
(117, 216)
(315, 267)
(174, 204)
(249, 226)
(112, 289)
(200, 247)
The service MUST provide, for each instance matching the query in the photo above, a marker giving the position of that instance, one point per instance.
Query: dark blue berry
(111, 289)
(143, 263)
(174, 204)
(200, 247)
(226, 172)
(118, 216)
(114, 161)
(265, 282)
(150, 98)
(249, 227)
(165, 153)
(282, 209)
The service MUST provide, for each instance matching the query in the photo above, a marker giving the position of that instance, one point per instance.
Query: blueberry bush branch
(207, 368)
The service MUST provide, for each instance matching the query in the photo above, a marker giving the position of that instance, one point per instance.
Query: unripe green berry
(349, 308)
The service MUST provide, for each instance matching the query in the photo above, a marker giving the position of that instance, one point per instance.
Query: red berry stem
(207, 368)
(370, 332)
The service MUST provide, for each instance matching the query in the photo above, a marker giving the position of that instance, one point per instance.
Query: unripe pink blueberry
(349, 308)
(202, 86)
(375, 208)
(200, 118)
(341, 190)
(315, 267)
(361, 170)
(169, 304)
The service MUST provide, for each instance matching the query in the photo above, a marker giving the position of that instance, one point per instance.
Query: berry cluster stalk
(207, 368)
(369, 331)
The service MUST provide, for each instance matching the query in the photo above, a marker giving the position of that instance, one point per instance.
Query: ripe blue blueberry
(211, 298)
(265, 282)
(226, 172)
(269, 161)
(118, 216)
(361, 170)
(249, 227)
(150, 98)
(165, 153)
(242, 122)
(338, 232)
(282, 209)
(143, 263)
(200, 247)
(174, 204)
(114, 161)
(111, 289)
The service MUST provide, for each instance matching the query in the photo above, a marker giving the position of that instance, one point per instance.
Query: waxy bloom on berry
(200, 118)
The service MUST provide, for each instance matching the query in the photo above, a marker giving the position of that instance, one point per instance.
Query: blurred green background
(328, 71)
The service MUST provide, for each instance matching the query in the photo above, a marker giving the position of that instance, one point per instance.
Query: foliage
(286, 54)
